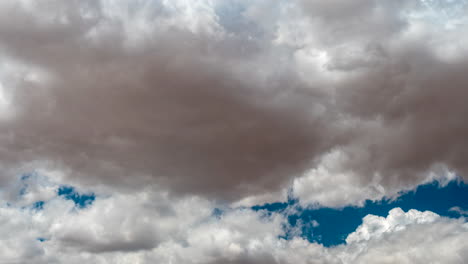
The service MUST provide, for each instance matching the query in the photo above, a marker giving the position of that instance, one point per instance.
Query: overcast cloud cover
(166, 110)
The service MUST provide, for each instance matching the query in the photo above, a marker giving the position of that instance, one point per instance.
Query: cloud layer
(147, 228)
(170, 109)
(167, 105)
(219, 100)
(229, 102)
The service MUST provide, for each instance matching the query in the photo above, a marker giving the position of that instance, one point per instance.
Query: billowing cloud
(397, 86)
(167, 110)
(411, 237)
(227, 101)
(234, 106)
(145, 228)
(167, 105)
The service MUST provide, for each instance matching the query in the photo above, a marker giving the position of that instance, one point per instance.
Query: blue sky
(81, 200)
(334, 225)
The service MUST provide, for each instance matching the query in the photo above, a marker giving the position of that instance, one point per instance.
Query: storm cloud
(178, 115)
(169, 105)
(127, 94)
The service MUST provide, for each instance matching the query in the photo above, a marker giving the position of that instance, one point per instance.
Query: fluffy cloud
(392, 91)
(170, 109)
(411, 237)
(145, 228)
(135, 96)
(230, 102)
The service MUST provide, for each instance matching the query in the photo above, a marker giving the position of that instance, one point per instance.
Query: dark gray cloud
(410, 115)
(174, 109)
(148, 93)
(400, 93)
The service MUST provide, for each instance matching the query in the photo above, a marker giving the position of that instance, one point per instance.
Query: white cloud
(411, 237)
(374, 226)
(152, 227)
(330, 185)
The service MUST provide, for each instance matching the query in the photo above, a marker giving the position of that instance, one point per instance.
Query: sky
(233, 131)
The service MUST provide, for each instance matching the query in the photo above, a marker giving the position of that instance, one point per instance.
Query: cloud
(398, 95)
(144, 227)
(238, 101)
(459, 210)
(375, 226)
(171, 117)
(153, 96)
(411, 237)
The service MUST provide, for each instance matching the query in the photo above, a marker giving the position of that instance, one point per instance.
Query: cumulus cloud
(224, 100)
(398, 94)
(177, 115)
(411, 237)
(170, 109)
(145, 228)
(128, 97)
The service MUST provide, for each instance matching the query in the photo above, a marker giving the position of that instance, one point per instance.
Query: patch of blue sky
(23, 181)
(330, 226)
(232, 17)
(217, 213)
(230, 14)
(41, 239)
(39, 205)
(446, 13)
(80, 200)
(28, 180)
